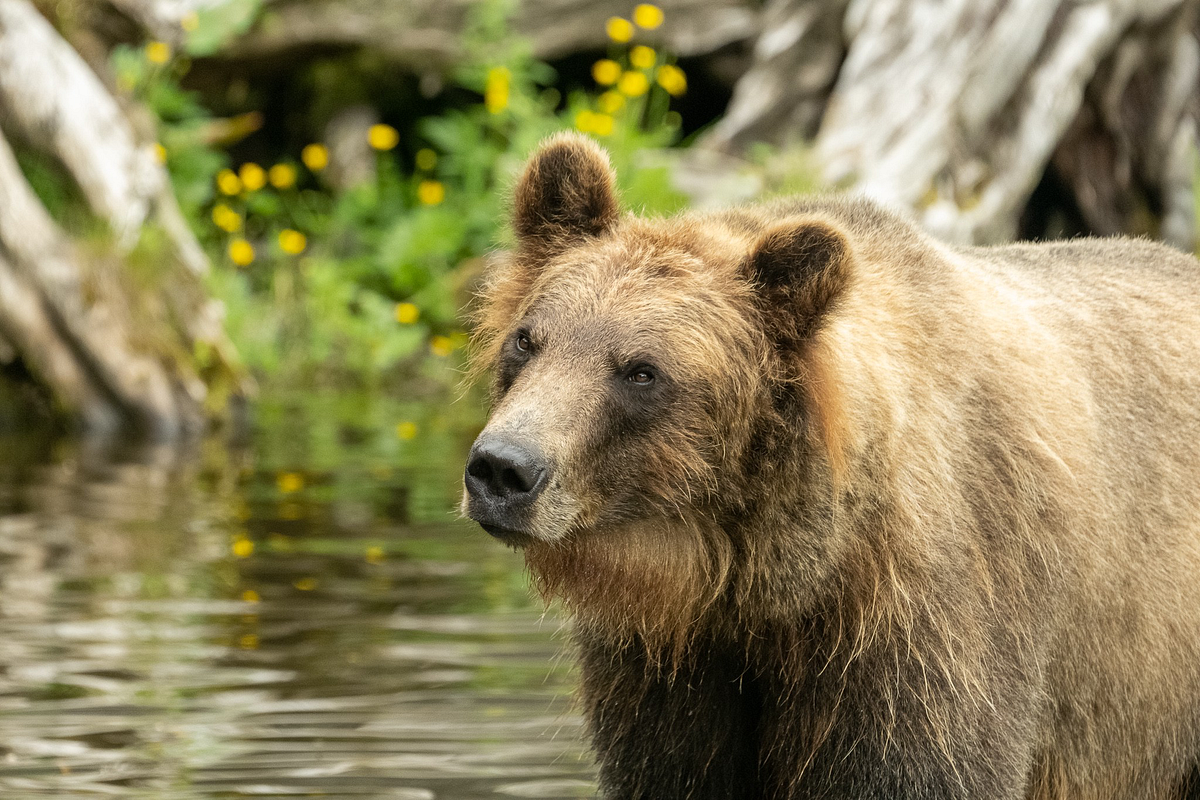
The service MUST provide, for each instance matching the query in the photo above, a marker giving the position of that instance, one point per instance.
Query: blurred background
(238, 245)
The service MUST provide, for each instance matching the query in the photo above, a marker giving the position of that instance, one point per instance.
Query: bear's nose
(499, 471)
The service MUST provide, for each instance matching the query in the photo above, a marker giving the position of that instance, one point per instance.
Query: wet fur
(648, 583)
(933, 532)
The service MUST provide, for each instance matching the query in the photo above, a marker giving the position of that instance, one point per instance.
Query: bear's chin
(648, 579)
(514, 539)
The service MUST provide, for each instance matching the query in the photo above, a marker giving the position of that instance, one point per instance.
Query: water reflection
(303, 617)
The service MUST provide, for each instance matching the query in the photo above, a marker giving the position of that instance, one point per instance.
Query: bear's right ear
(564, 195)
(799, 269)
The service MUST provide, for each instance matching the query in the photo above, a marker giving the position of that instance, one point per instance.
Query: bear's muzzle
(503, 480)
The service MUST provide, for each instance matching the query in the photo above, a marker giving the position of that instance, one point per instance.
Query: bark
(1128, 155)
(957, 110)
(782, 96)
(53, 100)
(111, 356)
(1008, 81)
(82, 351)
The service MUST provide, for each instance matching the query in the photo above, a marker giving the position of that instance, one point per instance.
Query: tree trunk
(960, 110)
(113, 356)
(781, 98)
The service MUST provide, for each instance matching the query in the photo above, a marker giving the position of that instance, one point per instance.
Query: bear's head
(649, 388)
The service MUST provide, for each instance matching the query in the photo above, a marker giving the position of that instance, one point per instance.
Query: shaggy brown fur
(888, 518)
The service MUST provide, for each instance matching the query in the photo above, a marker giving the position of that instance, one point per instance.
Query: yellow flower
(250, 596)
(602, 124)
(228, 182)
(495, 93)
(633, 84)
(241, 252)
(248, 641)
(160, 153)
(190, 21)
(642, 57)
(289, 482)
(292, 242)
(441, 345)
(253, 176)
(406, 431)
(315, 157)
(242, 547)
(374, 554)
(606, 72)
(611, 102)
(430, 193)
(619, 29)
(426, 159)
(407, 313)
(226, 218)
(282, 176)
(671, 78)
(382, 137)
(158, 52)
(648, 16)
(583, 120)
(591, 122)
(305, 584)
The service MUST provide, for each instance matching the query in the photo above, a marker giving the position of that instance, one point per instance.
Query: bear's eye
(523, 343)
(641, 376)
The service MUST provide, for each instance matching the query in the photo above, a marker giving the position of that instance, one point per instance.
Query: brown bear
(842, 511)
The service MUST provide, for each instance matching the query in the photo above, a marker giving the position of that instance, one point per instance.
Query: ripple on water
(301, 618)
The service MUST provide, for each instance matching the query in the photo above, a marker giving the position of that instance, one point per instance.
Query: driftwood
(81, 352)
(71, 318)
(956, 110)
(782, 96)
(54, 101)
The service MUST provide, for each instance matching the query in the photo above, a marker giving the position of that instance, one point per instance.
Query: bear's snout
(502, 480)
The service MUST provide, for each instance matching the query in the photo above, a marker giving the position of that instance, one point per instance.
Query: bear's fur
(845, 512)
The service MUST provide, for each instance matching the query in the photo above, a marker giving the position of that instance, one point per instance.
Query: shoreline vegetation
(347, 261)
(293, 209)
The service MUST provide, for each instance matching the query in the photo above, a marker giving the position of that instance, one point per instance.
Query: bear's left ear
(799, 269)
(564, 195)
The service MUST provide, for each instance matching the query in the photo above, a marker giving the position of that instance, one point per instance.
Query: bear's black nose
(502, 480)
(504, 470)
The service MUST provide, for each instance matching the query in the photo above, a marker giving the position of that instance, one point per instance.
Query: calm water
(301, 616)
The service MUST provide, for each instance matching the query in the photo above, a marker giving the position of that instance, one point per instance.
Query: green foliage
(213, 26)
(353, 285)
(188, 135)
(57, 191)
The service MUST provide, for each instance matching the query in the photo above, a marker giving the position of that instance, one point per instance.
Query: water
(302, 616)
